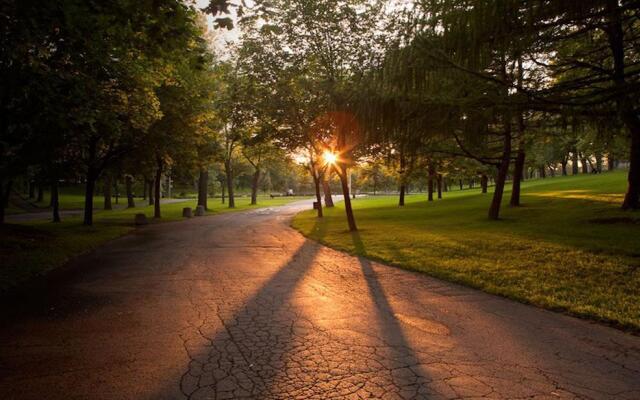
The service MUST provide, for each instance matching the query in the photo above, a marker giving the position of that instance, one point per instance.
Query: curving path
(241, 306)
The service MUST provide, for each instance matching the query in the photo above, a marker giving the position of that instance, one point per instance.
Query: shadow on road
(250, 345)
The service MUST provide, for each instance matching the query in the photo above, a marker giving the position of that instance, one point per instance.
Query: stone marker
(140, 219)
(187, 212)
(316, 205)
(199, 211)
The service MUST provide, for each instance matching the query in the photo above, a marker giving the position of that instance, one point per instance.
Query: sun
(329, 157)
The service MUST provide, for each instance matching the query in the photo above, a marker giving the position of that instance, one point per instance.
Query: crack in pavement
(183, 312)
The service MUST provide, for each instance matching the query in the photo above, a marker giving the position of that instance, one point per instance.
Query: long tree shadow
(250, 344)
(412, 379)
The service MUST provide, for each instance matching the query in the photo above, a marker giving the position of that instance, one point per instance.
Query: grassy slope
(32, 249)
(561, 250)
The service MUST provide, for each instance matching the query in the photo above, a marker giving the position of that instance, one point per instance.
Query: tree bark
(229, 171)
(402, 194)
(5, 192)
(131, 203)
(88, 196)
(107, 192)
(632, 196)
(254, 186)
(574, 161)
(585, 165)
(564, 168)
(628, 114)
(116, 190)
(484, 183)
(347, 200)
(610, 162)
(55, 200)
(150, 186)
(432, 172)
(461, 183)
(144, 188)
(326, 188)
(203, 184)
(439, 185)
(157, 183)
(518, 171)
(316, 186)
(503, 170)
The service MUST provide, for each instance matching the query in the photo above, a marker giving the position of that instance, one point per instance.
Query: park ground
(568, 248)
(241, 306)
(36, 246)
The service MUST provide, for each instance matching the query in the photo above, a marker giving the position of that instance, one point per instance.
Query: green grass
(33, 249)
(569, 248)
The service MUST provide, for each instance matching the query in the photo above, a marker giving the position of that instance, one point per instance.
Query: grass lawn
(32, 249)
(569, 247)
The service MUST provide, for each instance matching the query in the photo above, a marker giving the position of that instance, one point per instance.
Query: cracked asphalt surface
(242, 306)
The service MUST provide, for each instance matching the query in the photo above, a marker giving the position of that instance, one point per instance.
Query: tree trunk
(574, 161)
(328, 198)
(203, 184)
(55, 200)
(117, 190)
(503, 170)
(402, 193)
(32, 190)
(432, 172)
(461, 183)
(628, 114)
(518, 171)
(445, 185)
(610, 162)
(439, 184)
(229, 171)
(564, 168)
(347, 200)
(224, 193)
(40, 198)
(316, 186)
(88, 196)
(144, 188)
(107, 192)
(5, 192)
(585, 165)
(131, 203)
(632, 196)
(157, 183)
(150, 186)
(254, 186)
(484, 183)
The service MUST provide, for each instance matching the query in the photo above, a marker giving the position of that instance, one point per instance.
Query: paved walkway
(241, 306)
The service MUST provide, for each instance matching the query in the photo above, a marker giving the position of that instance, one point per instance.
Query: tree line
(450, 88)
(94, 92)
(437, 90)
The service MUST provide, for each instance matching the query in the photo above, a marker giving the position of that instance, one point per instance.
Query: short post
(187, 212)
(316, 205)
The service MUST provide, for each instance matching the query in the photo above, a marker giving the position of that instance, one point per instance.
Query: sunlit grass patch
(569, 247)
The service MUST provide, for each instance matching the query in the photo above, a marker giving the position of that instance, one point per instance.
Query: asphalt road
(242, 306)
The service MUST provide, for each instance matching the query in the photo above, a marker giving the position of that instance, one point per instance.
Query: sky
(219, 37)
